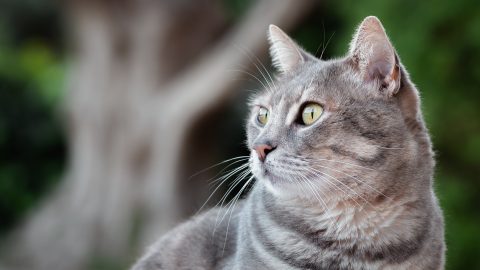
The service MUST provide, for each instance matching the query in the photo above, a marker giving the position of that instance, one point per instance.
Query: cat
(344, 168)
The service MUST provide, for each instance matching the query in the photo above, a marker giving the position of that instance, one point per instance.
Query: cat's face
(328, 130)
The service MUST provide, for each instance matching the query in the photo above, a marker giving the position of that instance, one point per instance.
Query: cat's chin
(279, 187)
(276, 184)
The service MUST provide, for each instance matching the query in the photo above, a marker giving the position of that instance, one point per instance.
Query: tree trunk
(137, 85)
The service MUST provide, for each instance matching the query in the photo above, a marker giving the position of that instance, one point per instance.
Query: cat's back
(206, 241)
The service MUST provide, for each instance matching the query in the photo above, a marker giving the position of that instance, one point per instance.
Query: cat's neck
(342, 219)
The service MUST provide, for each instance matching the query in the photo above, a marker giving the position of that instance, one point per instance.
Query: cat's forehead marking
(292, 114)
(296, 103)
(292, 111)
(279, 106)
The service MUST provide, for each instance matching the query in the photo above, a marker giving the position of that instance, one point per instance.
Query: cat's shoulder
(203, 236)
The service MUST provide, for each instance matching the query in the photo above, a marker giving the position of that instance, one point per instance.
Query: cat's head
(342, 129)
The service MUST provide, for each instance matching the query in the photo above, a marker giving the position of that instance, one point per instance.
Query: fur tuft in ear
(285, 53)
(375, 56)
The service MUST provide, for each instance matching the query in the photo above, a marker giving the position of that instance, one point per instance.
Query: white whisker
(235, 183)
(249, 56)
(218, 164)
(224, 179)
(332, 184)
(341, 162)
(253, 76)
(312, 187)
(235, 199)
(352, 190)
(355, 178)
(349, 195)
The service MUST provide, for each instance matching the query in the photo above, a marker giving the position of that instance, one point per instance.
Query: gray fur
(351, 191)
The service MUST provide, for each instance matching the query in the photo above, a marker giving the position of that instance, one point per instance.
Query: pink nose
(262, 151)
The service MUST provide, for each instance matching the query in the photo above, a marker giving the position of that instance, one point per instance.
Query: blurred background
(108, 107)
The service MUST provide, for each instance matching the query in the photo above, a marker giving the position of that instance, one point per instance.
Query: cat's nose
(263, 150)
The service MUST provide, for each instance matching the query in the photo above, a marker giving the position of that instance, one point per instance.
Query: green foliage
(236, 8)
(31, 149)
(31, 145)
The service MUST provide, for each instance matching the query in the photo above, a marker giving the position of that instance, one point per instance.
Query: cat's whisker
(235, 183)
(315, 193)
(238, 172)
(235, 199)
(232, 186)
(249, 90)
(225, 178)
(323, 178)
(264, 77)
(351, 176)
(355, 178)
(296, 174)
(337, 161)
(343, 184)
(308, 189)
(315, 172)
(297, 181)
(326, 45)
(266, 71)
(232, 171)
(333, 184)
(252, 75)
(218, 164)
(249, 56)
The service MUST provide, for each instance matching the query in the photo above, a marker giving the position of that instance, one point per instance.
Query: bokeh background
(108, 107)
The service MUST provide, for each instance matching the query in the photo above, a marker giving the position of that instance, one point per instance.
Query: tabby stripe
(271, 247)
(258, 245)
(393, 253)
(378, 159)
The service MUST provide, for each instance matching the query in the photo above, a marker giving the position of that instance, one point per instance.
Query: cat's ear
(373, 54)
(285, 53)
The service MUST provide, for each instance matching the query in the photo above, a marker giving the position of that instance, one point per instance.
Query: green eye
(311, 113)
(262, 116)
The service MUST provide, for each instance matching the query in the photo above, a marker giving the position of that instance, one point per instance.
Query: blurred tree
(137, 85)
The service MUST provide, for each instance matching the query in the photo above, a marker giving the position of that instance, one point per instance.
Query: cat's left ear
(286, 54)
(373, 54)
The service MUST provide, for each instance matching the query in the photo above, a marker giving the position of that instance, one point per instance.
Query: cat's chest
(338, 239)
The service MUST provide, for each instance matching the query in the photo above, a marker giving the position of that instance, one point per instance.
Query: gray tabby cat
(344, 166)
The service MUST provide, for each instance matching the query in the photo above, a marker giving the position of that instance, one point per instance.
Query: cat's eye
(262, 116)
(311, 112)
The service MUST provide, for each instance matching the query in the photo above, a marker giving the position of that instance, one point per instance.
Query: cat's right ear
(374, 56)
(285, 53)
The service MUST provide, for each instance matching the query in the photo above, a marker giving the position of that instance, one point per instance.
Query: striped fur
(351, 191)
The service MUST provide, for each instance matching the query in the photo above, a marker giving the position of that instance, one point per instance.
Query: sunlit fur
(351, 191)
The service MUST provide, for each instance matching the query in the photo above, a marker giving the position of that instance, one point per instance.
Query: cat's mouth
(260, 169)
(263, 171)
(267, 171)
